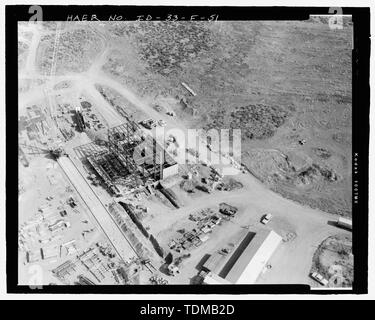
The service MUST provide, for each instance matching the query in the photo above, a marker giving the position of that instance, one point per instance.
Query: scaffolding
(139, 151)
(128, 157)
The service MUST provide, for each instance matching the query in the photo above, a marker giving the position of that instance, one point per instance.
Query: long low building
(246, 262)
(114, 234)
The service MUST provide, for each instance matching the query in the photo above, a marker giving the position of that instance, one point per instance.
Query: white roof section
(344, 221)
(246, 262)
(260, 259)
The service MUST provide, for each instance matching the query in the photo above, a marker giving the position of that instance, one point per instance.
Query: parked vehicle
(319, 278)
(344, 223)
(266, 218)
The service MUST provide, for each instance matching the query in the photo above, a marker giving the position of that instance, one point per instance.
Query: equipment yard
(116, 188)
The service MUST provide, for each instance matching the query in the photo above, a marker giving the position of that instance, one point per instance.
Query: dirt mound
(301, 178)
(295, 170)
(322, 153)
(316, 172)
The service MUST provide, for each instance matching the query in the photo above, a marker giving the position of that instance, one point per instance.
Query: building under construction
(129, 157)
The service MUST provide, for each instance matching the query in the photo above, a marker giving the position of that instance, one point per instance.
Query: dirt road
(31, 58)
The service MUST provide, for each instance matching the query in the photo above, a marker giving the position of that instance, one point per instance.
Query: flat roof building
(246, 262)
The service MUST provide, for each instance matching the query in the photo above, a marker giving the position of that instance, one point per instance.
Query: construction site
(127, 160)
(103, 197)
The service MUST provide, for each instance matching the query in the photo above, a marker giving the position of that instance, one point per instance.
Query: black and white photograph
(180, 149)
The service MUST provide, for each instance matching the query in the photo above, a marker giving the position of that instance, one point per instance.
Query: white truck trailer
(344, 223)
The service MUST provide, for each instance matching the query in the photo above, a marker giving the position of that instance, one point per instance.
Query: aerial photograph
(185, 152)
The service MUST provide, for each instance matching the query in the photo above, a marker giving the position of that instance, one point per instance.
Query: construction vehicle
(55, 151)
(148, 123)
(63, 213)
(225, 251)
(71, 202)
(227, 209)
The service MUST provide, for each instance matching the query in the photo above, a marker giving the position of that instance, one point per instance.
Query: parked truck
(344, 223)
